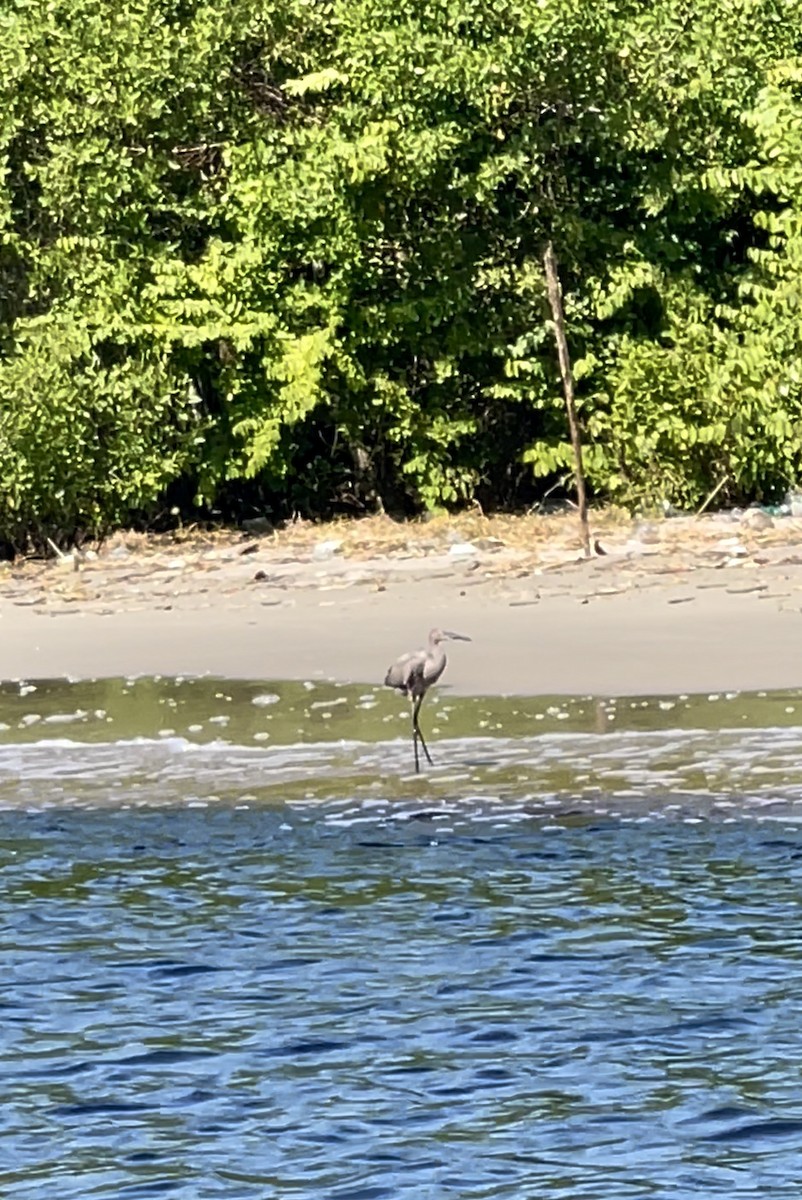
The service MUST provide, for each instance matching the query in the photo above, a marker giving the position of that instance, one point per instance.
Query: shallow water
(563, 962)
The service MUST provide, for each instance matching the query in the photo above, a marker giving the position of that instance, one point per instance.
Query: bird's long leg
(415, 734)
(416, 728)
(415, 742)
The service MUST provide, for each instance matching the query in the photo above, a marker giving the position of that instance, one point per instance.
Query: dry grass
(370, 537)
(537, 538)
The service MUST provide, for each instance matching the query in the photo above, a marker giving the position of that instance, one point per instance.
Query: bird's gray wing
(405, 669)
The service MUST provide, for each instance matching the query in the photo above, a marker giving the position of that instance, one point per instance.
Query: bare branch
(555, 300)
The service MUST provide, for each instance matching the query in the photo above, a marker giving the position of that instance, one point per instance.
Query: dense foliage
(286, 254)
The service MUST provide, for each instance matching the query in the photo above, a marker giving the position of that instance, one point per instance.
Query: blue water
(309, 1002)
(246, 953)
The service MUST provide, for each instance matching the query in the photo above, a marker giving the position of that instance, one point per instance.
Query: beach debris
(251, 548)
(638, 547)
(757, 519)
(461, 549)
(710, 497)
(793, 502)
(257, 525)
(733, 546)
(326, 549)
(67, 562)
(646, 533)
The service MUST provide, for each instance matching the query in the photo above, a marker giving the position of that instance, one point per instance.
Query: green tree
(293, 251)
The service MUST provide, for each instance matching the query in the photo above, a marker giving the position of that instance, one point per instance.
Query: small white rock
(755, 518)
(326, 549)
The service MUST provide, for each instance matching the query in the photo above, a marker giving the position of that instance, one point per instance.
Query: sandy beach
(671, 606)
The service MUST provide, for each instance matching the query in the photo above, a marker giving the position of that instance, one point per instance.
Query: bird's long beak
(456, 637)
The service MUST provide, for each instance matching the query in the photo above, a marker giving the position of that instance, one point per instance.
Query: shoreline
(674, 607)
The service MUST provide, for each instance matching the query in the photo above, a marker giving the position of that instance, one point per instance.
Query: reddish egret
(414, 673)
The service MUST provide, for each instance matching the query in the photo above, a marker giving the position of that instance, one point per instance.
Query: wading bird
(414, 673)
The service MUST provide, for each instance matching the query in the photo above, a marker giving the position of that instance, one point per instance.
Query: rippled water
(256, 957)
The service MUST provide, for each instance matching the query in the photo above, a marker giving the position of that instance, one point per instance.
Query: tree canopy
(286, 254)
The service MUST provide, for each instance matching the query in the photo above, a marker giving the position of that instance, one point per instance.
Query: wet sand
(672, 606)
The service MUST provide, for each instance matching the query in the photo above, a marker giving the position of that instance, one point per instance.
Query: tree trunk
(555, 300)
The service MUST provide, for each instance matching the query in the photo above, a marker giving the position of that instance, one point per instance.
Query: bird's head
(446, 635)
